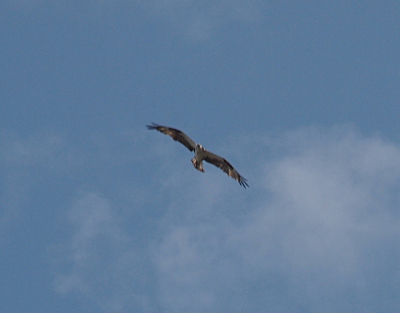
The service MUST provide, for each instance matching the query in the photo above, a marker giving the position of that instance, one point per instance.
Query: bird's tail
(198, 165)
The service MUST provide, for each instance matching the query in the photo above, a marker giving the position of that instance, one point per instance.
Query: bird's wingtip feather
(152, 126)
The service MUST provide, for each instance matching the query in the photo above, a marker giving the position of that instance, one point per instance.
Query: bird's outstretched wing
(176, 134)
(226, 167)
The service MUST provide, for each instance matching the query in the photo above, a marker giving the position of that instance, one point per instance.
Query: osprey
(200, 153)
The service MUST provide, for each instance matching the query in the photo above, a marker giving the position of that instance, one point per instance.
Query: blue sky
(98, 214)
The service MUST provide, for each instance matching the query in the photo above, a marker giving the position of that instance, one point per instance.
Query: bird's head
(200, 147)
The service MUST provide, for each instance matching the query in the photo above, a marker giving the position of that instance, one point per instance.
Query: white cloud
(331, 206)
(24, 163)
(317, 231)
(38, 151)
(198, 20)
(103, 262)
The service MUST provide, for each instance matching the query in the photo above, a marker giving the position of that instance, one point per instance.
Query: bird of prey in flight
(200, 153)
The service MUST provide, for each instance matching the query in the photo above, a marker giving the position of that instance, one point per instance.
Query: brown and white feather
(224, 165)
(175, 134)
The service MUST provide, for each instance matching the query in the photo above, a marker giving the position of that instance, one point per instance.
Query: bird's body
(200, 153)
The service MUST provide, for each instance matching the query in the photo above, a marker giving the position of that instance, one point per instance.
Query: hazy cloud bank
(323, 241)
(320, 234)
(193, 19)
